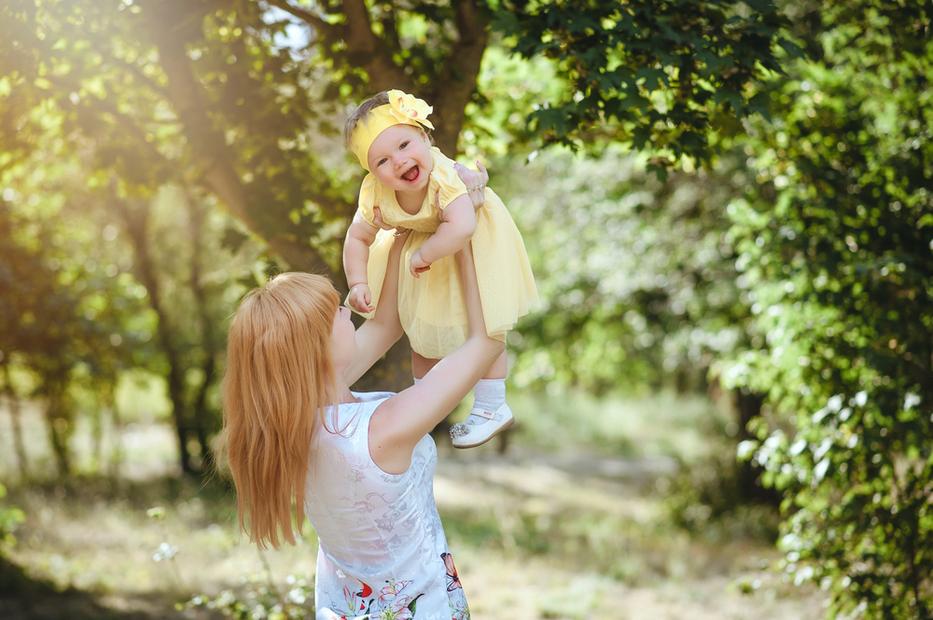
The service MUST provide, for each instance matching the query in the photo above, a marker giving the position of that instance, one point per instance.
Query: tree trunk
(504, 438)
(455, 88)
(209, 346)
(391, 373)
(16, 423)
(58, 422)
(97, 436)
(748, 407)
(116, 451)
(171, 28)
(135, 215)
(376, 51)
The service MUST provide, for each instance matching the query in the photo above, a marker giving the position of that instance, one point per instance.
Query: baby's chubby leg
(499, 368)
(420, 365)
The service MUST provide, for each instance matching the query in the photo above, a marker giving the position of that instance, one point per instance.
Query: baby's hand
(360, 299)
(418, 265)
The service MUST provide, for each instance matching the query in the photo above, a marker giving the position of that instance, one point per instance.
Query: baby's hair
(380, 98)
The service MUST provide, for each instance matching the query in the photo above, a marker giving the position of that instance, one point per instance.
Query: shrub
(835, 254)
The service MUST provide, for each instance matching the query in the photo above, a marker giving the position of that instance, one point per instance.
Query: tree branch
(208, 145)
(390, 27)
(315, 21)
(367, 50)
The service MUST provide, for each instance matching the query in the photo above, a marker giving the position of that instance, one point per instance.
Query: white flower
(164, 552)
(860, 399)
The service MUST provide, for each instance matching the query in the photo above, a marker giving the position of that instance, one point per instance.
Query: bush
(10, 518)
(835, 254)
(261, 600)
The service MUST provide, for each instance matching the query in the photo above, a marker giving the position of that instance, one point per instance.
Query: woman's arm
(379, 333)
(401, 421)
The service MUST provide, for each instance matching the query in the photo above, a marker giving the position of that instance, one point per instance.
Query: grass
(664, 425)
(573, 522)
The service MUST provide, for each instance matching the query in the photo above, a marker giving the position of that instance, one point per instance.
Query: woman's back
(382, 548)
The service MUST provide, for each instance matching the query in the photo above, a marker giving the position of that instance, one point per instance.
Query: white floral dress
(383, 554)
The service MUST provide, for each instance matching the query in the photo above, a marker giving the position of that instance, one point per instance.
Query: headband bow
(402, 109)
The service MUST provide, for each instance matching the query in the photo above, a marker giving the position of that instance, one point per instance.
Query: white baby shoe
(472, 434)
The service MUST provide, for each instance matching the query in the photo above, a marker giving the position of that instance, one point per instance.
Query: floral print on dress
(355, 603)
(394, 602)
(458, 606)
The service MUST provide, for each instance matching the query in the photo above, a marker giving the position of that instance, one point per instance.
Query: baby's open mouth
(412, 175)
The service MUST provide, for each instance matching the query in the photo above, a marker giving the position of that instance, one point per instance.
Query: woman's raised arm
(378, 334)
(401, 421)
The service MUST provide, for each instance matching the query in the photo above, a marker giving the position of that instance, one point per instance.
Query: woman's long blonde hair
(278, 382)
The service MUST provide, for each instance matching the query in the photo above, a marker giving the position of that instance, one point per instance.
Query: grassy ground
(574, 522)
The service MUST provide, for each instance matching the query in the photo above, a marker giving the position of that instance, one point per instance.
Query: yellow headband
(402, 109)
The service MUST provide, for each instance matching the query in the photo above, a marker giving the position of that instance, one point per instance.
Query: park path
(588, 506)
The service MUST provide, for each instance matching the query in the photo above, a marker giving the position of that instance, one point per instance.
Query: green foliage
(229, 110)
(261, 600)
(835, 253)
(10, 518)
(663, 76)
(637, 283)
(63, 314)
(97, 281)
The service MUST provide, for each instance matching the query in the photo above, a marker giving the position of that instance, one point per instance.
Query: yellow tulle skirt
(431, 308)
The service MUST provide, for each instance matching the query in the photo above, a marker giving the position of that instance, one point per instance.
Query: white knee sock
(489, 394)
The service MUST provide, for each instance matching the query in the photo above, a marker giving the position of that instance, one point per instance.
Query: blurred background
(724, 400)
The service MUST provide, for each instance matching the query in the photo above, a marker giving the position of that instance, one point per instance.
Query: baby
(412, 185)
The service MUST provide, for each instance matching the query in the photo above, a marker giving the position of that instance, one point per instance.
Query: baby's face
(400, 157)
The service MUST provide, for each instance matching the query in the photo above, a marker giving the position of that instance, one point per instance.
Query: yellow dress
(431, 308)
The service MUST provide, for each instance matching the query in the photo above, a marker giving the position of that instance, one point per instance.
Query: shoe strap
(489, 415)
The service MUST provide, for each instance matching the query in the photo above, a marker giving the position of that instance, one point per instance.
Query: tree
(56, 318)
(218, 96)
(248, 109)
(669, 78)
(835, 256)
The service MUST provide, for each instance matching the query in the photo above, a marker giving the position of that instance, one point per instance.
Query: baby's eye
(403, 144)
(381, 161)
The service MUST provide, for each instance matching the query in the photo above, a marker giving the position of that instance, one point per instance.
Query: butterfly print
(453, 580)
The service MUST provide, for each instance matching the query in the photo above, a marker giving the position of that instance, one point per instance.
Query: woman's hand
(378, 221)
(474, 181)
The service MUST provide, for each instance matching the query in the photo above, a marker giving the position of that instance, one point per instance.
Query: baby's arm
(458, 222)
(360, 235)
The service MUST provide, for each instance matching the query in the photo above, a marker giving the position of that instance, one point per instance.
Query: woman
(360, 466)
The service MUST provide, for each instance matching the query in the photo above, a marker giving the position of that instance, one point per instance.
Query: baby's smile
(412, 174)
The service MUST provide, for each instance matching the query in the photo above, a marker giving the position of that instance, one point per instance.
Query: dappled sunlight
(541, 535)
(723, 396)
